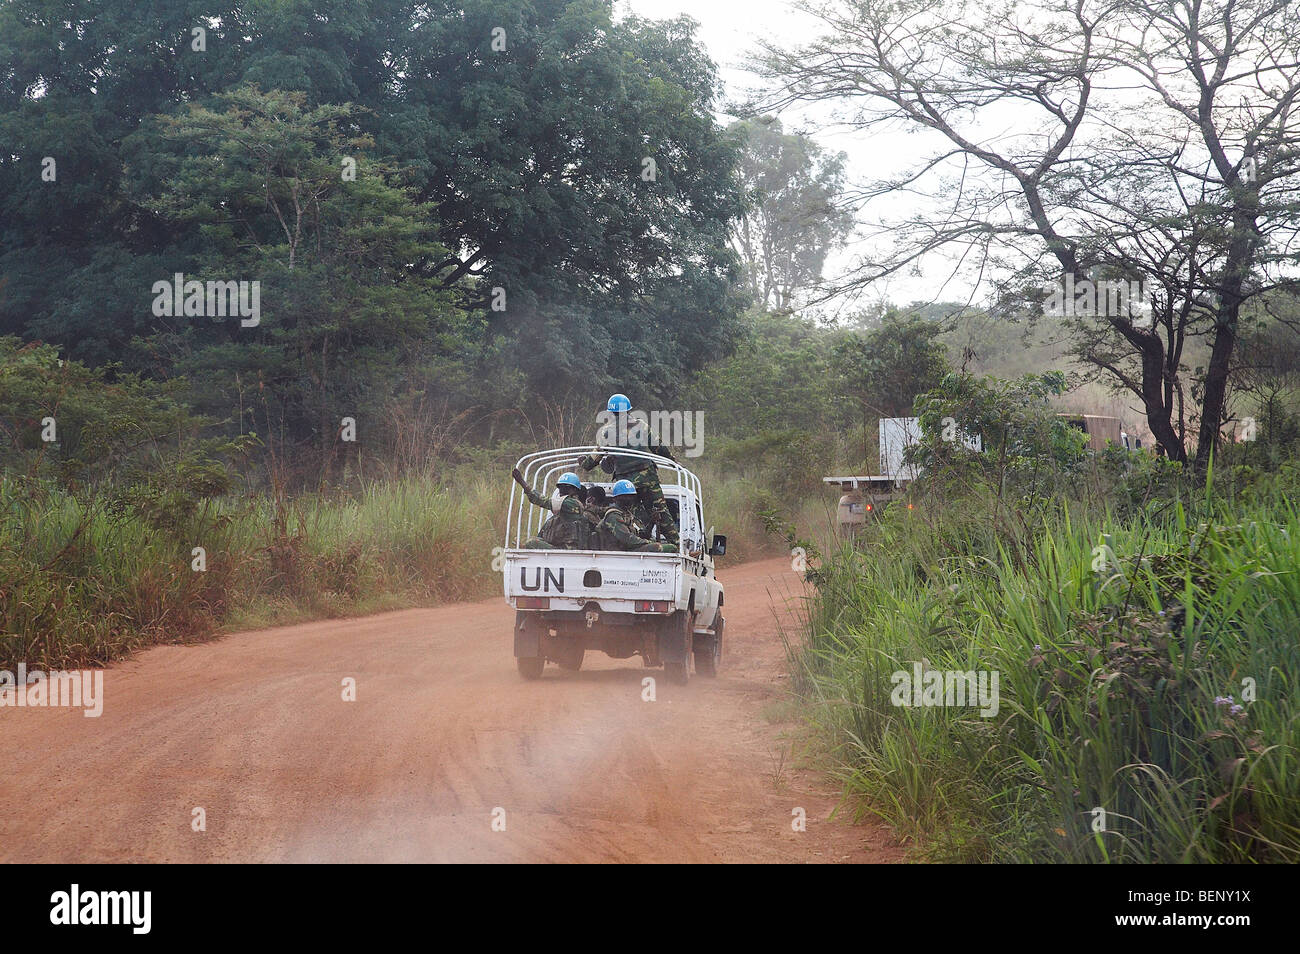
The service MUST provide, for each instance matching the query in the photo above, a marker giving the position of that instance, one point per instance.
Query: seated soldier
(568, 527)
(619, 529)
(597, 502)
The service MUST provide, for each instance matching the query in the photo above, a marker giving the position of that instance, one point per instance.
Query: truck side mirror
(719, 547)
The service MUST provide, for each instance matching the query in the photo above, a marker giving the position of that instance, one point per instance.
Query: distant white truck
(866, 495)
(897, 434)
(664, 607)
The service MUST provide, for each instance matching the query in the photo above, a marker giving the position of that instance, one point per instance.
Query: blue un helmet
(569, 479)
(618, 404)
(623, 488)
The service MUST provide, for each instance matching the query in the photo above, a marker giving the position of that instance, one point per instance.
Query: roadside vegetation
(1142, 626)
(132, 528)
(85, 578)
(84, 582)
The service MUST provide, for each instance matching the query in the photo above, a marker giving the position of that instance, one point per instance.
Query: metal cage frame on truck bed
(543, 468)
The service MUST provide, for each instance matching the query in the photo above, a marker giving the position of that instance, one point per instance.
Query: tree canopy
(537, 189)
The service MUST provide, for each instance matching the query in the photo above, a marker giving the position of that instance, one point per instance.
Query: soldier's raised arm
(591, 461)
(538, 499)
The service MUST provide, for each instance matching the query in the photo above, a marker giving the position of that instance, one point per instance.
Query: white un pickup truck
(664, 607)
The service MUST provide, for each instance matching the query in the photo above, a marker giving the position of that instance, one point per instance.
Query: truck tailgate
(572, 578)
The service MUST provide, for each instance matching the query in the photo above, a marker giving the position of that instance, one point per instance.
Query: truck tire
(571, 657)
(709, 654)
(678, 632)
(530, 667)
(528, 648)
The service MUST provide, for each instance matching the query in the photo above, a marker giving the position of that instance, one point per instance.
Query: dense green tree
(83, 427)
(77, 80)
(577, 167)
(283, 195)
(567, 168)
(885, 368)
(778, 378)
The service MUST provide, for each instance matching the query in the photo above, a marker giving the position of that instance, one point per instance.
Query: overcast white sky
(730, 30)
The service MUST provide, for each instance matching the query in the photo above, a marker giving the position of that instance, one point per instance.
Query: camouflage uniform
(644, 475)
(568, 528)
(651, 505)
(537, 542)
(594, 513)
(618, 530)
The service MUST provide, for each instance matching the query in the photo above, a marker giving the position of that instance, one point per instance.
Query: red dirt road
(252, 728)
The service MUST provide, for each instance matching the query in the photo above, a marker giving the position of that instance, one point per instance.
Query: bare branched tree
(1076, 140)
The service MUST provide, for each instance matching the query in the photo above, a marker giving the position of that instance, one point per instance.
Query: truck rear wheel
(570, 657)
(528, 647)
(709, 653)
(530, 667)
(680, 629)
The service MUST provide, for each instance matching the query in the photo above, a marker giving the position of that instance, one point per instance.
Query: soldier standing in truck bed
(642, 473)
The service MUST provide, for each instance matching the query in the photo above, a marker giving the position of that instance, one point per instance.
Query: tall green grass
(86, 578)
(1113, 684)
